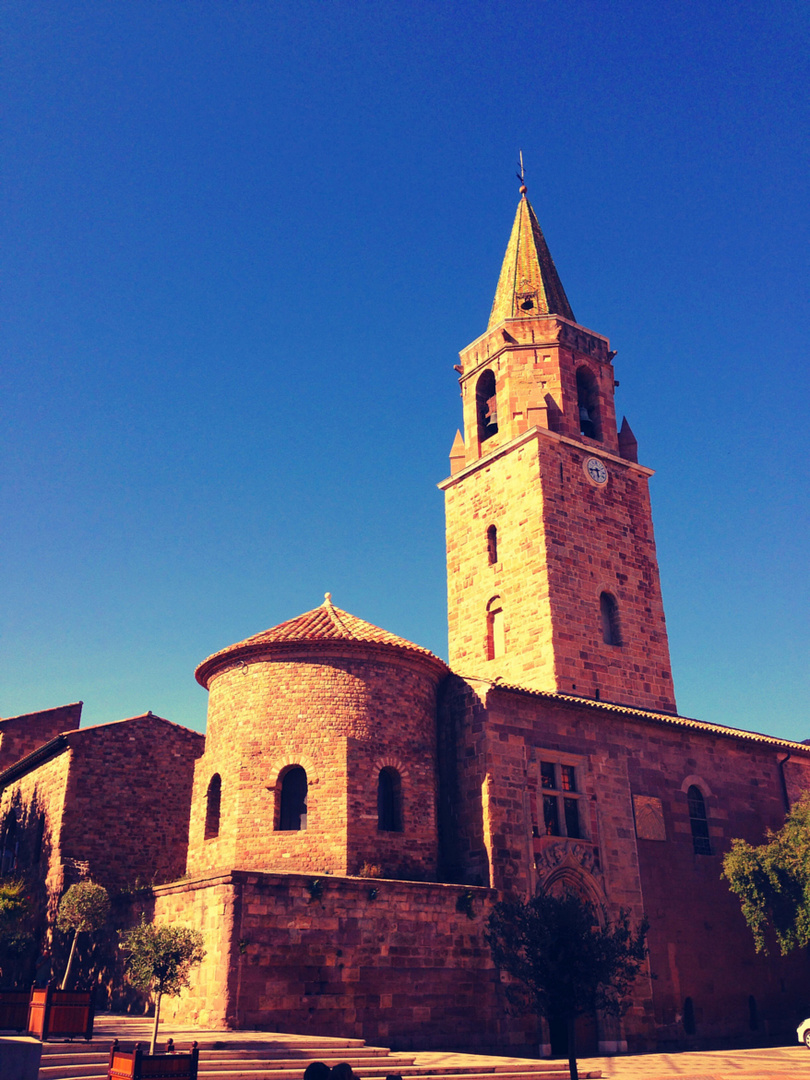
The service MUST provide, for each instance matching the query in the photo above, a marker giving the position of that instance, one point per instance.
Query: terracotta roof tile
(666, 718)
(321, 625)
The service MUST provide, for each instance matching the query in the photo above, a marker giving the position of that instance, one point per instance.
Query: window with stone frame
(698, 821)
(559, 797)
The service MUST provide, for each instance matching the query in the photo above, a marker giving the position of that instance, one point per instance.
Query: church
(357, 805)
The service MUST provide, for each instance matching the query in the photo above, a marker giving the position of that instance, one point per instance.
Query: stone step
(57, 1053)
(292, 1046)
(82, 1065)
(234, 1068)
(551, 1072)
(547, 1071)
(279, 1056)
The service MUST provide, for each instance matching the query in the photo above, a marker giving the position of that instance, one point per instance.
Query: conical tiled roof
(529, 284)
(319, 627)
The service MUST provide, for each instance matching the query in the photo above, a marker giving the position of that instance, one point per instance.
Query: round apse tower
(320, 752)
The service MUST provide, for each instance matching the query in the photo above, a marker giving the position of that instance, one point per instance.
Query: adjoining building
(359, 804)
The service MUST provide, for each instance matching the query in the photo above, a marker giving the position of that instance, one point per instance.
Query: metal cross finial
(521, 175)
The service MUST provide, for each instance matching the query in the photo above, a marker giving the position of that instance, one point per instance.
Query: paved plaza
(780, 1062)
(764, 1063)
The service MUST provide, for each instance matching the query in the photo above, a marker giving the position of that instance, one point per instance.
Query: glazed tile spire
(529, 284)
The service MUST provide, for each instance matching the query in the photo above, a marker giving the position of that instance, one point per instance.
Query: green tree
(564, 961)
(159, 960)
(15, 911)
(83, 909)
(772, 881)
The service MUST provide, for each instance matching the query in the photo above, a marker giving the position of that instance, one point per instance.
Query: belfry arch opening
(486, 405)
(590, 420)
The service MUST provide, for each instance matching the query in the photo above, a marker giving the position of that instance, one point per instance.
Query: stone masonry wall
(37, 800)
(342, 718)
(601, 540)
(561, 543)
(627, 766)
(700, 946)
(506, 493)
(127, 801)
(393, 962)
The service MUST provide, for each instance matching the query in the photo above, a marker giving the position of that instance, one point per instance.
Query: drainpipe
(785, 795)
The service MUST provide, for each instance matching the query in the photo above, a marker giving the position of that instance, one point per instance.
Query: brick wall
(342, 717)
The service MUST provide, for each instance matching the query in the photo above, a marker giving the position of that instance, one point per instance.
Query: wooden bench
(61, 1014)
(14, 1009)
(136, 1065)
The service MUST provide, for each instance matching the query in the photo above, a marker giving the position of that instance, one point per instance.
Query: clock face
(596, 471)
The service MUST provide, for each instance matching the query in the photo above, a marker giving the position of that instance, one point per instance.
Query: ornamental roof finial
(521, 176)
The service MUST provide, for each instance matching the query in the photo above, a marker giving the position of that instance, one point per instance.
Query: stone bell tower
(551, 566)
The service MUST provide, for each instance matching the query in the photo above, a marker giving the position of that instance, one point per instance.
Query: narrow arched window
(212, 805)
(389, 800)
(486, 405)
(698, 821)
(609, 611)
(689, 1017)
(496, 636)
(492, 545)
(590, 421)
(293, 809)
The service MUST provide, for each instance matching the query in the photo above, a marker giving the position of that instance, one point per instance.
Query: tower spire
(529, 284)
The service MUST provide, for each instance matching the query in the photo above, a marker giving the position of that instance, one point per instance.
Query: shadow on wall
(25, 855)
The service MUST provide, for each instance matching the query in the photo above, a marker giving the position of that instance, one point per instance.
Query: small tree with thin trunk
(83, 909)
(564, 961)
(159, 959)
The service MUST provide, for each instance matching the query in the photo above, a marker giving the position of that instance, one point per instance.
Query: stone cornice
(553, 436)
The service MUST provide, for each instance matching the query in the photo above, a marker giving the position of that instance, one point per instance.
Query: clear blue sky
(242, 244)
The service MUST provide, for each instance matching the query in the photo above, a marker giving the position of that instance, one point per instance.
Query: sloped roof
(320, 627)
(670, 719)
(529, 284)
(74, 738)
